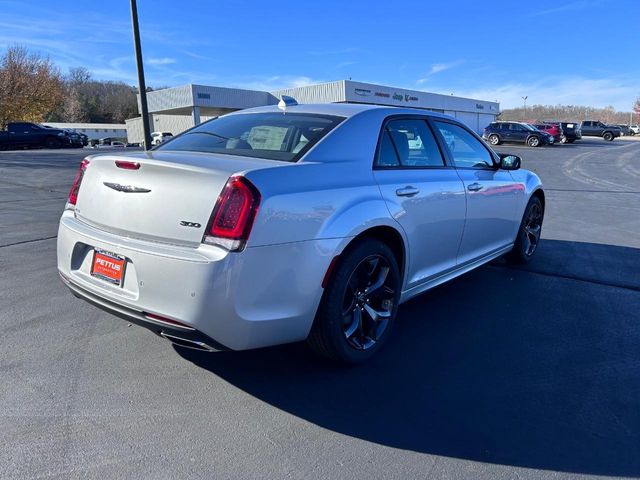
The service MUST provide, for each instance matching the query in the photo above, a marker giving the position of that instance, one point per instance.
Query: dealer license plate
(108, 266)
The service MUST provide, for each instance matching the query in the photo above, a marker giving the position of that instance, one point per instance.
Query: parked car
(158, 137)
(624, 129)
(84, 138)
(553, 129)
(75, 138)
(591, 128)
(263, 227)
(118, 144)
(32, 135)
(571, 130)
(635, 129)
(515, 132)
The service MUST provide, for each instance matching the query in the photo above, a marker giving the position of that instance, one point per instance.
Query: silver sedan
(298, 222)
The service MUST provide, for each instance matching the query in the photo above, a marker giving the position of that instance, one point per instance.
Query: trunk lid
(169, 199)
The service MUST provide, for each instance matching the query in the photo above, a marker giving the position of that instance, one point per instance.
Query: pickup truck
(32, 135)
(592, 128)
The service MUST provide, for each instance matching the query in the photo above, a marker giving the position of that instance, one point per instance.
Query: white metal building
(179, 108)
(94, 131)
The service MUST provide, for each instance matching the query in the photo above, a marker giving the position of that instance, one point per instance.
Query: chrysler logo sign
(363, 92)
(126, 188)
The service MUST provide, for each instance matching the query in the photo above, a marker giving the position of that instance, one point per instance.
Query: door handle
(474, 187)
(407, 191)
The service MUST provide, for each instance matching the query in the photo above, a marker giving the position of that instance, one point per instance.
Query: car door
(520, 133)
(423, 193)
(587, 128)
(492, 194)
(19, 134)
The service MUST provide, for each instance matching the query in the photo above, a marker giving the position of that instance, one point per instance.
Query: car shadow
(527, 367)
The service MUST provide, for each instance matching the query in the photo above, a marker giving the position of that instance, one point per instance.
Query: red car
(553, 129)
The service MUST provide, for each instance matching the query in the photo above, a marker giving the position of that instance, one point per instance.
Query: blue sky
(583, 52)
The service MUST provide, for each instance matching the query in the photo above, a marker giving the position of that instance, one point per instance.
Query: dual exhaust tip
(187, 343)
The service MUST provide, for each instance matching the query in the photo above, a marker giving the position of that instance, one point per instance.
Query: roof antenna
(286, 101)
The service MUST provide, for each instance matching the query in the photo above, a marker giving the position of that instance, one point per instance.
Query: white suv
(158, 137)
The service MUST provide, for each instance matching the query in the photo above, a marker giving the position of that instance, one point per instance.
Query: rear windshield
(274, 135)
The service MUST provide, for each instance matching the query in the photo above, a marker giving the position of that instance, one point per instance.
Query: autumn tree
(636, 109)
(30, 86)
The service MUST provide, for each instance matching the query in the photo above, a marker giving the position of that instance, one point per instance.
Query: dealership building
(178, 108)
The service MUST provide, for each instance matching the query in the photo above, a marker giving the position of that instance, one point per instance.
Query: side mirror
(510, 162)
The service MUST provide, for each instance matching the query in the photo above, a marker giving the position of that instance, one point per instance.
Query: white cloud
(161, 61)
(571, 6)
(277, 82)
(437, 68)
(566, 90)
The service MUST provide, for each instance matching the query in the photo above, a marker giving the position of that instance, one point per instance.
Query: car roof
(341, 109)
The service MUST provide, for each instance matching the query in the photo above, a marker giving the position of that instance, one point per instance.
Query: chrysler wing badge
(126, 188)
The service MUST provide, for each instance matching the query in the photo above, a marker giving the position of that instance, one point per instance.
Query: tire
(528, 237)
(608, 136)
(533, 141)
(571, 141)
(494, 140)
(344, 330)
(52, 143)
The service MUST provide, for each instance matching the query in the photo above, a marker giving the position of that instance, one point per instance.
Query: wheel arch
(385, 233)
(539, 193)
(391, 237)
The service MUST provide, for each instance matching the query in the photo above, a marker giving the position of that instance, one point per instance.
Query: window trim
(450, 159)
(425, 119)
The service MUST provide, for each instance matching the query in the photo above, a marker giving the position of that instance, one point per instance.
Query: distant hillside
(569, 113)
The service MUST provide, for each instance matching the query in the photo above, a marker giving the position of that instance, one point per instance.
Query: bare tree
(566, 113)
(30, 86)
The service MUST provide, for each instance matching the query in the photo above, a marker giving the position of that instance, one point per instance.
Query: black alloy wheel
(529, 233)
(359, 304)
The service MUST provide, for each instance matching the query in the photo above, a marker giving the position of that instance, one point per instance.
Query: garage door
(484, 120)
(469, 119)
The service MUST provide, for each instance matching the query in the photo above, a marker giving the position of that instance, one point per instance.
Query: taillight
(75, 188)
(127, 165)
(233, 215)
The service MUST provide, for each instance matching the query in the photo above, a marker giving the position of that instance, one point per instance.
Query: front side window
(273, 135)
(408, 143)
(466, 150)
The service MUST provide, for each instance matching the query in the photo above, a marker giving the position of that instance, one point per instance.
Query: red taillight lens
(127, 165)
(233, 214)
(75, 188)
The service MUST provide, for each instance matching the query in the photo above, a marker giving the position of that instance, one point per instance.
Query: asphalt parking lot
(503, 373)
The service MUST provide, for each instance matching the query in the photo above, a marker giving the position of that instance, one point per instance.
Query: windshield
(273, 135)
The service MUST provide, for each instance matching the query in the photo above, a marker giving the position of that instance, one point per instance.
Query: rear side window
(273, 135)
(408, 143)
(466, 150)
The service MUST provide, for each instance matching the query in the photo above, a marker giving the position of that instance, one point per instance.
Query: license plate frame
(106, 269)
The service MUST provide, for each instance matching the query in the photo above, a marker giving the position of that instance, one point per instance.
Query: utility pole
(525, 107)
(142, 89)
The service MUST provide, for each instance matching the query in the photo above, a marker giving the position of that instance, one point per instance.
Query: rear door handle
(407, 191)
(474, 187)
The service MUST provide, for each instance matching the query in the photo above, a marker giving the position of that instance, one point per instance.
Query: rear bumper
(190, 338)
(259, 297)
